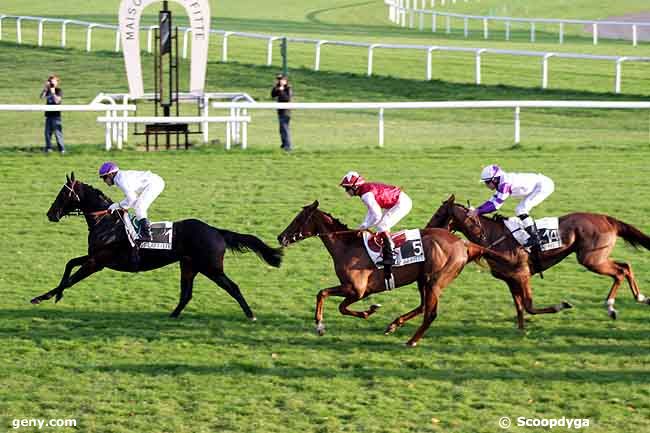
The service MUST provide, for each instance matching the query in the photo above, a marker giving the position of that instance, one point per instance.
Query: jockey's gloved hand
(113, 207)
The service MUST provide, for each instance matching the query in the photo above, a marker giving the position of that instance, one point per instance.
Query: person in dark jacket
(53, 95)
(282, 92)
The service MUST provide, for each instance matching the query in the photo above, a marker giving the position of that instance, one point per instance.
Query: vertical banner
(130, 13)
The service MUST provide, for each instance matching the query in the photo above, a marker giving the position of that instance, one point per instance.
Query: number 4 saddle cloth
(408, 247)
(548, 232)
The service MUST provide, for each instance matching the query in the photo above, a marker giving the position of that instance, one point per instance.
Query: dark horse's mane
(335, 220)
(99, 193)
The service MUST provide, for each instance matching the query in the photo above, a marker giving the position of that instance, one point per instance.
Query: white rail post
(429, 58)
(269, 50)
(434, 23)
(125, 114)
(561, 32)
(507, 30)
(517, 125)
(532, 31)
(411, 14)
(381, 127)
(370, 51)
(186, 41)
(224, 47)
(64, 26)
(478, 64)
(117, 40)
(40, 31)
(115, 126)
(244, 141)
(465, 27)
(634, 34)
(206, 113)
(617, 85)
(421, 23)
(89, 36)
(485, 28)
(595, 33)
(391, 13)
(402, 14)
(107, 133)
(319, 44)
(448, 24)
(545, 69)
(150, 38)
(19, 31)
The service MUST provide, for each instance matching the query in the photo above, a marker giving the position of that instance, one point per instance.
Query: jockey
(533, 187)
(141, 188)
(387, 205)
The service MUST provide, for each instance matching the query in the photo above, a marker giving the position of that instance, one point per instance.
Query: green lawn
(108, 356)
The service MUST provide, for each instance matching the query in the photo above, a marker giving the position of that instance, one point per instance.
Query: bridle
(98, 215)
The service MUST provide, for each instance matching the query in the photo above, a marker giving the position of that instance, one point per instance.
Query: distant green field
(108, 356)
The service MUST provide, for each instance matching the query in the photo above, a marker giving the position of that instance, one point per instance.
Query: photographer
(282, 93)
(53, 95)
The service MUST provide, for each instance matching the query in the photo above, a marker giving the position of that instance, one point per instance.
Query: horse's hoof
(320, 329)
(253, 319)
(35, 301)
(613, 314)
(566, 305)
(411, 343)
(58, 297)
(391, 328)
(375, 307)
(174, 315)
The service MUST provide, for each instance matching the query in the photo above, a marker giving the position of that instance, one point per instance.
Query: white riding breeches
(542, 190)
(148, 195)
(393, 215)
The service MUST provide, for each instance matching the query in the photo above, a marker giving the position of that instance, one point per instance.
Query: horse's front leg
(88, 267)
(77, 261)
(320, 301)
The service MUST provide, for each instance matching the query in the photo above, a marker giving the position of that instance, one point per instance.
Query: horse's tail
(630, 233)
(476, 252)
(242, 242)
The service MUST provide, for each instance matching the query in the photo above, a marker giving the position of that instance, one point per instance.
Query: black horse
(198, 247)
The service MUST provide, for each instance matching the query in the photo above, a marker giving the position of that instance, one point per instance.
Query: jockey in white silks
(533, 187)
(140, 188)
(387, 205)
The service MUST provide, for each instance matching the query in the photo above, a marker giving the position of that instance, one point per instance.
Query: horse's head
(442, 218)
(453, 216)
(68, 199)
(302, 226)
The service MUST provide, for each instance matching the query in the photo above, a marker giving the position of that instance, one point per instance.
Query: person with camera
(53, 95)
(282, 92)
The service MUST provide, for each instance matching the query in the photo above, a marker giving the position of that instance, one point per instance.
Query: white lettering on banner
(130, 13)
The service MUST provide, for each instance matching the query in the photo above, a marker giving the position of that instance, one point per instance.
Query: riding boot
(533, 242)
(388, 261)
(145, 230)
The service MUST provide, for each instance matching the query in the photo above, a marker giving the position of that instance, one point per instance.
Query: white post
(381, 127)
(125, 114)
(205, 125)
(118, 129)
(507, 30)
(107, 134)
(617, 85)
(421, 25)
(448, 22)
(40, 32)
(465, 27)
(19, 32)
(434, 23)
(228, 132)
(391, 14)
(224, 47)
(63, 33)
(402, 14)
(269, 50)
(319, 44)
(485, 28)
(411, 14)
(532, 31)
(545, 69)
(150, 38)
(117, 40)
(561, 32)
(595, 33)
(115, 128)
(370, 50)
(244, 141)
(186, 41)
(478, 65)
(89, 36)
(634, 35)
(517, 125)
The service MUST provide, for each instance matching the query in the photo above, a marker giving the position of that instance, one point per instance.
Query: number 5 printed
(417, 247)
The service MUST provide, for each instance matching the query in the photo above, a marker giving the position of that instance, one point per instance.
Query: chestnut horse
(591, 236)
(445, 254)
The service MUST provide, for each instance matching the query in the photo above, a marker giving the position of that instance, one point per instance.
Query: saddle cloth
(161, 235)
(547, 230)
(408, 248)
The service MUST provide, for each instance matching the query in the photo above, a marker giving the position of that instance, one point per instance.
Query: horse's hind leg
(187, 282)
(231, 287)
(343, 308)
(605, 266)
(634, 287)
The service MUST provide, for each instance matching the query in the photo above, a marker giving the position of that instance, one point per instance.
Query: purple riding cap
(108, 168)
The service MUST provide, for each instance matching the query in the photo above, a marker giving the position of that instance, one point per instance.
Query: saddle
(548, 232)
(408, 247)
(161, 234)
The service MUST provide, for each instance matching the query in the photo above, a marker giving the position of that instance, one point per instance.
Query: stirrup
(389, 282)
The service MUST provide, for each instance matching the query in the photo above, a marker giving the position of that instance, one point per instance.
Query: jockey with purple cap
(140, 188)
(533, 187)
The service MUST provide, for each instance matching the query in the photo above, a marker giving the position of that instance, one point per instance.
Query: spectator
(53, 95)
(282, 92)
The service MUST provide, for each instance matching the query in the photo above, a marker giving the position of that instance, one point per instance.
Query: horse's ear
(67, 178)
(314, 204)
(451, 199)
(72, 176)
